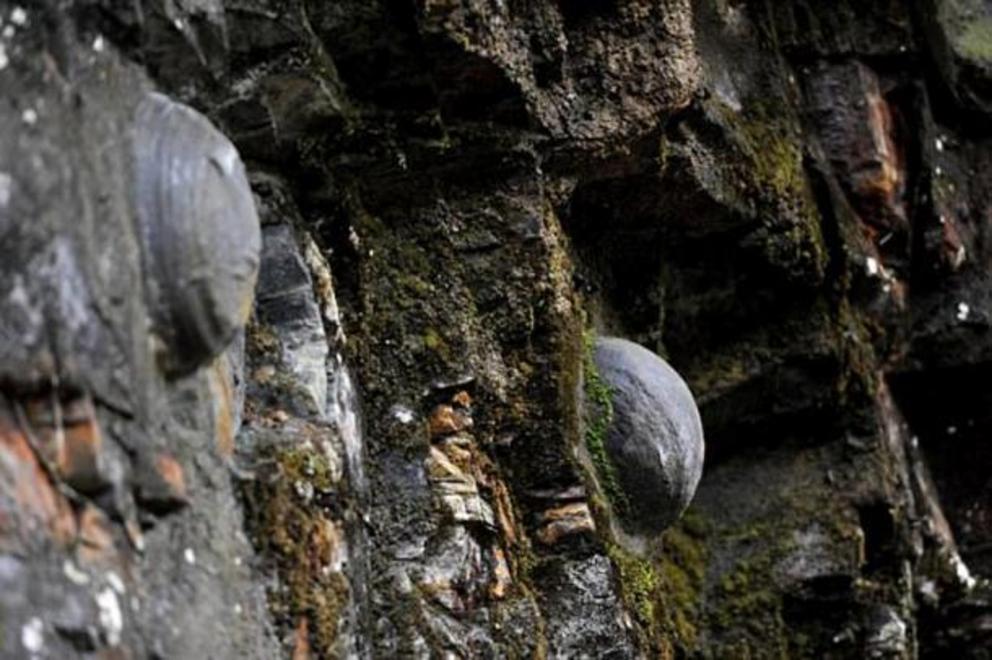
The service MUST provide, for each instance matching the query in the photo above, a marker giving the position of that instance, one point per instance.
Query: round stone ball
(199, 232)
(654, 441)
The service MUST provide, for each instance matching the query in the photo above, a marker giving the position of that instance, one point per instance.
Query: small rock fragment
(28, 485)
(402, 414)
(502, 579)
(32, 635)
(74, 574)
(80, 461)
(886, 635)
(161, 485)
(96, 539)
(110, 616)
(445, 420)
(567, 520)
(301, 640)
(463, 399)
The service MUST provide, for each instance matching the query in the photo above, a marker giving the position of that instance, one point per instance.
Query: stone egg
(653, 441)
(199, 232)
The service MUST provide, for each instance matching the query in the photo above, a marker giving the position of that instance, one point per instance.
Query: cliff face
(789, 201)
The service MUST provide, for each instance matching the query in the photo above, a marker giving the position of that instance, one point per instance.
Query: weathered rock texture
(789, 201)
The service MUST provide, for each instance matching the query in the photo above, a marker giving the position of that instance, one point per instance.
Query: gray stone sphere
(199, 231)
(654, 441)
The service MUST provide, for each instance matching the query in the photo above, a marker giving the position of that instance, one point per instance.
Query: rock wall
(789, 201)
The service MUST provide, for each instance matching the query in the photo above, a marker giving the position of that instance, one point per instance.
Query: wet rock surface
(790, 204)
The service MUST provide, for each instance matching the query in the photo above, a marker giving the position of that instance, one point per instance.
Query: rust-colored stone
(79, 461)
(567, 520)
(222, 394)
(301, 640)
(95, 540)
(161, 486)
(463, 399)
(445, 420)
(172, 474)
(953, 252)
(502, 579)
(460, 453)
(69, 438)
(857, 128)
(24, 481)
(504, 511)
(441, 468)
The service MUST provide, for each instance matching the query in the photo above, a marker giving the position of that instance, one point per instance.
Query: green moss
(599, 416)
(434, 341)
(857, 381)
(639, 583)
(748, 597)
(664, 592)
(683, 570)
(764, 171)
(293, 530)
(745, 611)
(975, 41)
(776, 158)
(414, 284)
(305, 463)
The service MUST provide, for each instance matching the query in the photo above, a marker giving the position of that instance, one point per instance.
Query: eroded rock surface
(789, 202)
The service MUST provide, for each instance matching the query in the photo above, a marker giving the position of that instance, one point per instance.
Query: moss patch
(975, 41)
(664, 592)
(752, 163)
(599, 416)
(288, 518)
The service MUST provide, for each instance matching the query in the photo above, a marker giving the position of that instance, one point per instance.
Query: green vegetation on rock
(975, 41)
(288, 520)
(599, 415)
(664, 591)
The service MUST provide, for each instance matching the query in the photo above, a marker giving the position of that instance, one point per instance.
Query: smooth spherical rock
(199, 231)
(654, 440)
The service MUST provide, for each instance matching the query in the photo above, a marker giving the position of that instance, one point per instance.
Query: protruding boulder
(647, 449)
(199, 231)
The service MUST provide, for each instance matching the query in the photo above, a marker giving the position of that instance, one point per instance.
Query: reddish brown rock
(69, 438)
(79, 461)
(301, 640)
(95, 543)
(567, 520)
(445, 420)
(857, 130)
(222, 390)
(162, 485)
(502, 579)
(25, 484)
(463, 399)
